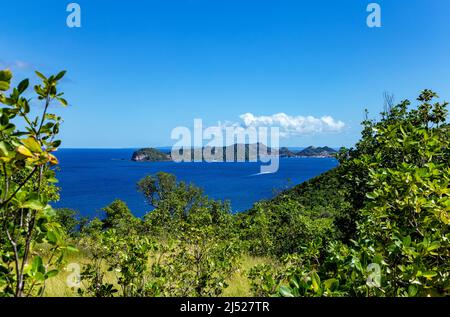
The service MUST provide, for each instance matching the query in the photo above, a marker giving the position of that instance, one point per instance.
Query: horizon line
(156, 147)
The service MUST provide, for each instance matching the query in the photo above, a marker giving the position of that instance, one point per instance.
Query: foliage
(395, 185)
(377, 225)
(286, 224)
(149, 155)
(69, 220)
(124, 255)
(120, 218)
(202, 249)
(199, 264)
(186, 246)
(27, 186)
(406, 216)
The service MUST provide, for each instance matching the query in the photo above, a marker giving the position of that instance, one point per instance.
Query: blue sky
(138, 69)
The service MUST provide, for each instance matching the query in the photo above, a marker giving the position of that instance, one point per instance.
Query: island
(242, 152)
(150, 155)
(312, 151)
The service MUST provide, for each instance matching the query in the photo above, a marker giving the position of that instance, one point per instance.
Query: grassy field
(239, 284)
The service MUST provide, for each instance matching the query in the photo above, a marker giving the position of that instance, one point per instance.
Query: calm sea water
(90, 179)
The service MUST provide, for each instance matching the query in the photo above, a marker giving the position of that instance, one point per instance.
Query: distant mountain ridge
(318, 151)
(241, 152)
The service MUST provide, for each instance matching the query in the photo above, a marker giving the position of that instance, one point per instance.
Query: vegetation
(26, 187)
(318, 151)
(389, 204)
(377, 225)
(238, 152)
(149, 155)
(310, 151)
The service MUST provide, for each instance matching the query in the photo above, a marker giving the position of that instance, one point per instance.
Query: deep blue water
(90, 179)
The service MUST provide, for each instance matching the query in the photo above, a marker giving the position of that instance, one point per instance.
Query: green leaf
(371, 195)
(434, 245)
(412, 290)
(4, 86)
(36, 265)
(26, 106)
(3, 149)
(429, 274)
(52, 180)
(8, 128)
(60, 75)
(32, 145)
(23, 85)
(5, 75)
(41, 75)
(24, 151)
(51, 274)
(39, 276)
(331, 284)
(4, 118)
(294, 283)
(407, 241)
(56, 143)
(286, 291)
(33, 204)
(49, 211)
(63, 102)
(71, 248)
(5, 79)
(52, 237)
(315, 279)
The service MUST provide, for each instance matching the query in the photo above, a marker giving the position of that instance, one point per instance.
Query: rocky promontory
(150, 155)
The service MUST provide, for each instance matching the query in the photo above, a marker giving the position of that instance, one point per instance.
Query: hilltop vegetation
(318, 151)
(377, 225)
(387, 206)
(149, 155)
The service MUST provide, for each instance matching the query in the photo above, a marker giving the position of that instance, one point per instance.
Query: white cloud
(291, 125)
(17, 64)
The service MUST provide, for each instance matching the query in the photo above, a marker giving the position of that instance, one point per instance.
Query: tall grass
(238, 284)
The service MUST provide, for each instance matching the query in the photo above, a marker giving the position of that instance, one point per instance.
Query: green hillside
(375, 226)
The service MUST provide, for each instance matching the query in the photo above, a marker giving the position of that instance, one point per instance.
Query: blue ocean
(90, 179)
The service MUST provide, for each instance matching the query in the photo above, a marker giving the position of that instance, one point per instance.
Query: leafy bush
(395, 187)
(186, 246)
(286, 225)
(27, 186)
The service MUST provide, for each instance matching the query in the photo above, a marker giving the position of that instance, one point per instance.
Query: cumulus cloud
(291, 125)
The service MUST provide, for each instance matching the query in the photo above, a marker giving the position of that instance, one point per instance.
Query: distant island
(150, 155)
(312, 151)
(242, 152)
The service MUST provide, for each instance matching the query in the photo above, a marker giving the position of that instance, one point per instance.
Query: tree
(120, 218)
(406, 215)
(27, 186)
(68, 218)
(200, 247)
(396, 184)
